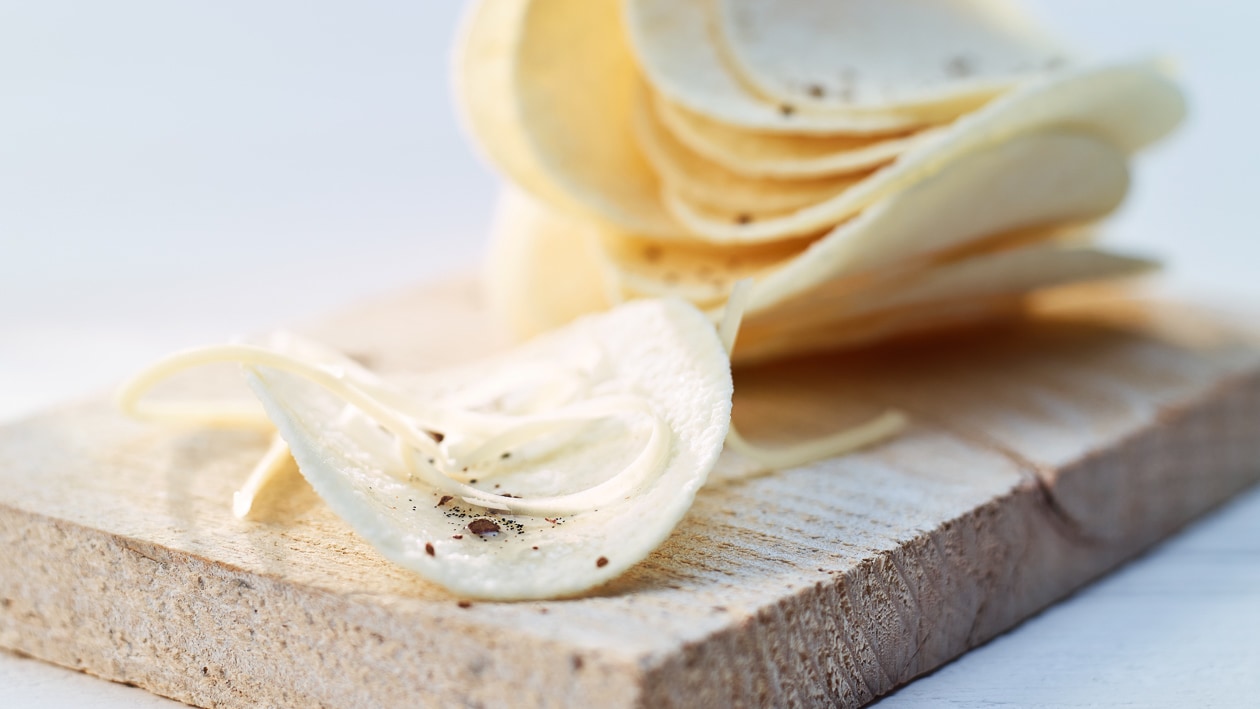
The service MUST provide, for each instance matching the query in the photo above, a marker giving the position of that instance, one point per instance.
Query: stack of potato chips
(877, 167)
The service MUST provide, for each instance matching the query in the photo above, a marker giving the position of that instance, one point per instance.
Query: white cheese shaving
(881, 428)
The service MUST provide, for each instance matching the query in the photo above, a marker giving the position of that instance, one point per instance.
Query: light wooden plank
(1041, 456)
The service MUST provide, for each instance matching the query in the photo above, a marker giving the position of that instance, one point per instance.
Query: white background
(172, 173)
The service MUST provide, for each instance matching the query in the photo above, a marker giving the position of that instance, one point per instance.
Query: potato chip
(1035, 180)
(556, 124)
(971, 290)
(701, 273)
(514, 556)
(1033, 183)
(699, 181)
(1005, 271)
(1021, 193)
(759, 154)
(541, 472)
(1027, 190)
(484, 86)
(1127, 105)
(883, 54)
(544, 267)
(675, 48)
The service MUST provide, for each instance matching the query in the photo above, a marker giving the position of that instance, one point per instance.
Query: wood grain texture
(1174, 629)
(1042, 455)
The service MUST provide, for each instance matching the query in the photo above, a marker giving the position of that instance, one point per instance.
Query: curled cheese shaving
(733, 315)
(409, 421)
(882, 427)
(650, 461)
(275, 462)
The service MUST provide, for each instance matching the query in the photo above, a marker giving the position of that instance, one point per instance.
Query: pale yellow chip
(1128, 105)
(1024, 191)
(1031, 181)
(540, 472)
(761, 154)
(550, 85)
(889, 55)
(664, 379)
(701, 273)
(544, 267)
(674, 46)
(823, 189)
(972, 290)
(702, 182)
(484, 82)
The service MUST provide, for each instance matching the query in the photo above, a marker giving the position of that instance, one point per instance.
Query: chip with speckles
(1126, 105)
(889, 55)
(1028, 191)
(563, 462)
(674, 148)
(544, 267)
(782, 155)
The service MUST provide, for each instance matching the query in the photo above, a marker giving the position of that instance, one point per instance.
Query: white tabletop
(174, 173)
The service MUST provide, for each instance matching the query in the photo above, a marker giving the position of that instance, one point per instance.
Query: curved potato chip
(556, 123)
(1128, 105)
(971, 290)
(840, 294)
(1010, 271)
(1024, 190)
(882, 54)
(1033, 180)
(702, 182)
(1036, 182)
(543, 268)
(484, 82)
(676, 50)
(546, 267)
(682, 375)
(698, 272)
(758, 154)
(706, 287)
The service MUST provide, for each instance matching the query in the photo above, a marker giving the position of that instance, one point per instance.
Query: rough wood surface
(1041, 456)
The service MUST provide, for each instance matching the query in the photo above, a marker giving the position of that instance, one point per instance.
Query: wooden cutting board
(1041, 455)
